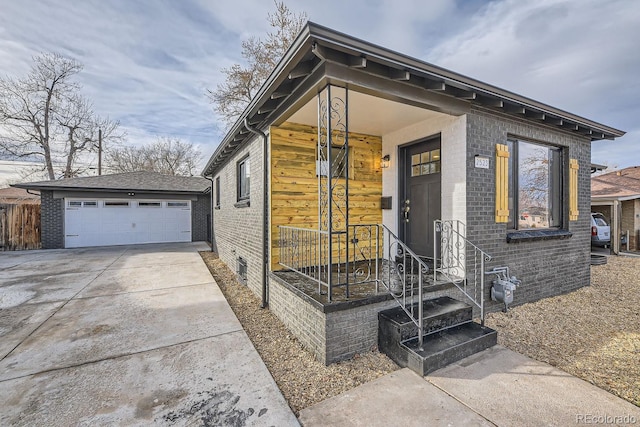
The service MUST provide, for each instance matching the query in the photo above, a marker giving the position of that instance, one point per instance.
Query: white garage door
(94, 222)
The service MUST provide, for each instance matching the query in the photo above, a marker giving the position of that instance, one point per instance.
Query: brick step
(438, 313)
(448, 346)
(449, 335)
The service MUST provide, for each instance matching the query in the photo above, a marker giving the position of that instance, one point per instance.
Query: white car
(600, 230)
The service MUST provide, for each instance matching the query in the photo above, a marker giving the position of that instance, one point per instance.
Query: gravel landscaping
(592, 333)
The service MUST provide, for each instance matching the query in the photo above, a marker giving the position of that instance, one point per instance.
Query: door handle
(405, 210)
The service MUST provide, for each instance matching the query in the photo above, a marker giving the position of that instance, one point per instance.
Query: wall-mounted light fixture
(386, 160)
(131, 194)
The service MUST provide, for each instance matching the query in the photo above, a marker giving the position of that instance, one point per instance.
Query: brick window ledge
(243, 204)
(535, 235)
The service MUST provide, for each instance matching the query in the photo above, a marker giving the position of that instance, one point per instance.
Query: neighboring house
(348, 145)
(125, 208)
(617, 196)
(18, 196)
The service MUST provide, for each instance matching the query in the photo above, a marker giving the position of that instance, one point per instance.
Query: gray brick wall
(51, 221)
(200, 211)
(546, 268)
(238, 230)
(334, 336)
(305, 321)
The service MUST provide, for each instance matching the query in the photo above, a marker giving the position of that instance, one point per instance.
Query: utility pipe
(211, 210)
(265, 223)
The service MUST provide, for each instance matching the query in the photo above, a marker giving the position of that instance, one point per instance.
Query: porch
(336, 257)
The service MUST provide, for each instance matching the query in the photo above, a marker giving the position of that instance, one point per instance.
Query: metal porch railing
(364, 253)
(371, 253)
(459, 261)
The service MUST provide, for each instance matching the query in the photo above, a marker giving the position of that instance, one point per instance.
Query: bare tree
(43, 115)
(261, 55)
(167, 155)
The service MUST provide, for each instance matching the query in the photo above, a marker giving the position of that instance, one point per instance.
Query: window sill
(243, 204)
(535, 235)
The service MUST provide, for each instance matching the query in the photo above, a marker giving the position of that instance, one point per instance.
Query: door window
(425, 163)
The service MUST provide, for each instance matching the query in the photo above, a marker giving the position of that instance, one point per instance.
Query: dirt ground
(592, 333)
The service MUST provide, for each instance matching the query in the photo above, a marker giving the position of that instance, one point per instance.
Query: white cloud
(574, 55)
(148, 63)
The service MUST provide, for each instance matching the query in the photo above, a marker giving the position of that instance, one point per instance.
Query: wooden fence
(19, 227)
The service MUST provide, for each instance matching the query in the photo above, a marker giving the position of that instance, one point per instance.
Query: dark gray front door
(420, 201)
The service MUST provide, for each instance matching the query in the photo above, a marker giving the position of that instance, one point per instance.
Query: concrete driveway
(127, 335)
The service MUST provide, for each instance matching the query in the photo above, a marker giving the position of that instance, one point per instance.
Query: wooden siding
(294, 184)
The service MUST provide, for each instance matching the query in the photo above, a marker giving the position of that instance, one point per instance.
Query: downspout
(211, 210)
(265, 214)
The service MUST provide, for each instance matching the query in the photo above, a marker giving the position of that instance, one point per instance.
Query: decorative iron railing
(459, 261)
(371, 253)
(364, 253)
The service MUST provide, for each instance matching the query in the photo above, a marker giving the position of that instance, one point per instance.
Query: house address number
(482, 162)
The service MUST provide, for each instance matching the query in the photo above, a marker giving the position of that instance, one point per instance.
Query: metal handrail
(368, 247)
(303, 250)
(454, 248)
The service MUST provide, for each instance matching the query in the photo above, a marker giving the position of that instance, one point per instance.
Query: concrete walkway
(495, 387)
(130, 335)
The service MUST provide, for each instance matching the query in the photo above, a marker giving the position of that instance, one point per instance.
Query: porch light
(386, 160)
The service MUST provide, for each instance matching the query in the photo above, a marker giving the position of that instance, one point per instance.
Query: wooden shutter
(502, 183)
(573, 189)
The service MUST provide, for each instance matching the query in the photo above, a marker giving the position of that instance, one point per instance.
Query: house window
(535, 193)
(243, 177)
(218, 192)
(242, 270)
(338, 162)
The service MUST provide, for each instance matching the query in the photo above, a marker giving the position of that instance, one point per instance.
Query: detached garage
(123, 209)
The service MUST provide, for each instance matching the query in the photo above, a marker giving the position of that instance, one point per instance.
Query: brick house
(360, 179)
(616, 195)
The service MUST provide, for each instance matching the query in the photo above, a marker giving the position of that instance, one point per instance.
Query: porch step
(449, 335)
(446, 347)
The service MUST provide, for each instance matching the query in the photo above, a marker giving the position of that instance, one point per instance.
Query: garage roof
(622, 185)
(131, 181)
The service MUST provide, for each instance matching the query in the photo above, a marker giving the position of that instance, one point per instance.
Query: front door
(420, 198)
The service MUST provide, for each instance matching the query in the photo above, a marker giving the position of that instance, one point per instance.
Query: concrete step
(448, 346)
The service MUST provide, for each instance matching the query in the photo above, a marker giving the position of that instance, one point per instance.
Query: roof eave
(456, 84)
(263, 95)
(106, 190)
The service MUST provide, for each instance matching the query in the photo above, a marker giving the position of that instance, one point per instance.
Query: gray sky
(149, 62)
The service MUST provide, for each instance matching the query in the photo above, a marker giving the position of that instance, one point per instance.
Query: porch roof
(318, 49)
